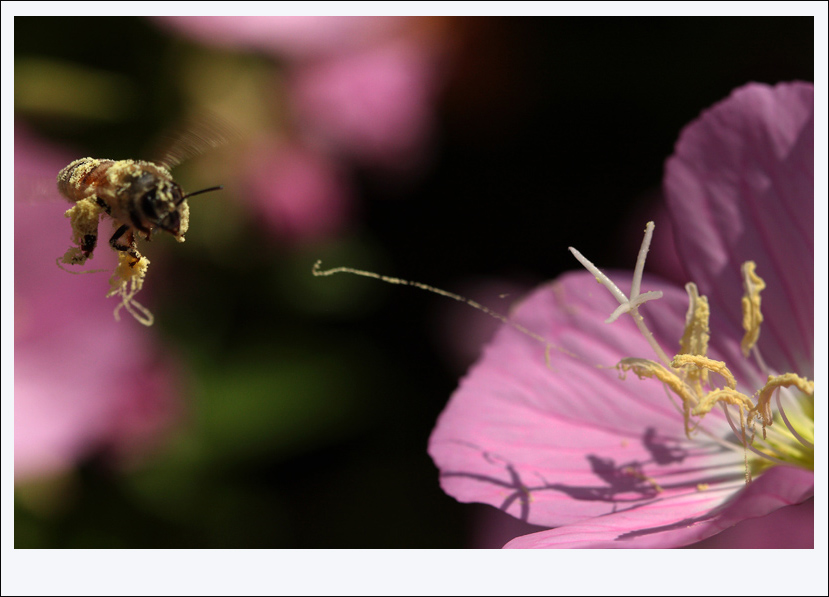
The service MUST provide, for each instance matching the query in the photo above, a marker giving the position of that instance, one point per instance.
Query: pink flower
(373, 105)
(608, 462)
(300, 37)
(300, 194)
(84, 384)
(362, 88)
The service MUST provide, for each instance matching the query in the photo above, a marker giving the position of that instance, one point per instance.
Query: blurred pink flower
(300, 194)
(298, 37)
(361, 87)
(84, 384)
(374, 105)
(607, 461)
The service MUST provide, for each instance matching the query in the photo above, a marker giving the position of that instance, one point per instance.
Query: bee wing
(37, 188)
(198, 134)
(37, 162)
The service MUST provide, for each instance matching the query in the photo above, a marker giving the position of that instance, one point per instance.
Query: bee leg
(88, 243)
(129, 248)
(103, 205)
(84, 217)
(113, 242)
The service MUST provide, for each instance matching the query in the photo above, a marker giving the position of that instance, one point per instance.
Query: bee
(140, 196)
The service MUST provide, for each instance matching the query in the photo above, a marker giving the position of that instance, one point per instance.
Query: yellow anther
(727, 395)
(688, 375)
(645, 368)
(695, 339)
(779, 381)
(752, 316)
(696, 336)
(704, 363)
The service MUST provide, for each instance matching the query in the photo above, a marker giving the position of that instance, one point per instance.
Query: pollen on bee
(126, 282)
(139, 197)
(83, 216)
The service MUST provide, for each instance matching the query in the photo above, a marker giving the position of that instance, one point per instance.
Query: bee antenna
(188, 195)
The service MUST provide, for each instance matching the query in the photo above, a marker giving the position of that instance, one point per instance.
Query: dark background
(551, 132)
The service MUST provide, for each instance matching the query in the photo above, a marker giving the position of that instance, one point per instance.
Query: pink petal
(679, 521)
(492, 529)
(792, 527)
(741, 187)
(462, 331)
(556, 446)
(574, 446)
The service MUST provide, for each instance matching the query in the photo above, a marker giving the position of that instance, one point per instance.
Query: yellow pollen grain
(83, 216)
(752, 316)
(78, 170)
(702, 486)
(184, 225)
(126, 282)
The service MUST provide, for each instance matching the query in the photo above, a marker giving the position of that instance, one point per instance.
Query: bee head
(158, 200)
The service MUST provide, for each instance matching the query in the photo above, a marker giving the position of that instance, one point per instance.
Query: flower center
(688, 375)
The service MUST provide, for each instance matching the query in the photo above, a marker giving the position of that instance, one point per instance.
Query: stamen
(777, 436)
(794, 404)
(695, 338)
(758, 358)
(700, 425)
(726, 395)
(749, 445)
(752, 316)
(706, 364)
(645, 368)
(776, 381)
(730, 396)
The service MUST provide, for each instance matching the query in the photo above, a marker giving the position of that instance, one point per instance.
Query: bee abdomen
(80, 178)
